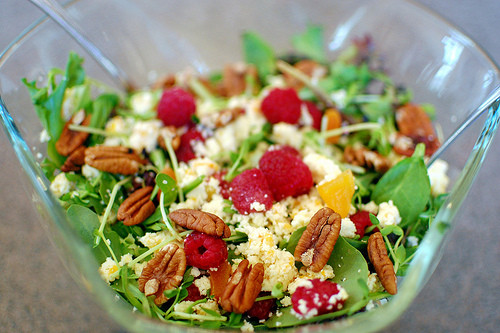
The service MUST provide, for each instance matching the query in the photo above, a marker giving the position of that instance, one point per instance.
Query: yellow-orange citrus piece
(333, 121)
(337, 193)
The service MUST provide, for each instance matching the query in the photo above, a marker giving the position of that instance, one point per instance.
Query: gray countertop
(38, 295)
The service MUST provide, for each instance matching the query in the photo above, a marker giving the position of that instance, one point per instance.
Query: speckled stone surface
(38, 295)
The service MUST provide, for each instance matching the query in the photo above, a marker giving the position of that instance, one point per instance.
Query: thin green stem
(182, 315)
(167, 221)
(175, 165)
(100, 232)
(93, 130)
(350, 129)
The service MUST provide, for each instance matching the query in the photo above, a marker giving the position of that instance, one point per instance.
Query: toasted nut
(70, 140)
(170, 133)
(362, 156)
(120, 160)
(75, 160)
(318, 240)
(164, 272)
(219, 278)
(243, 287)
(221, 118)
(207, 223)
(137, 207)
(381, 262)
(414, 123)
(234, 78)
(309, 67)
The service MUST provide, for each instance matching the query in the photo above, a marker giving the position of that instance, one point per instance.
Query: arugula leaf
(310, 43)
(407, 185)
(259, 53)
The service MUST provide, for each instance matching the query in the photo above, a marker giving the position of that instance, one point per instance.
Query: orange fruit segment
(337, 193)
(333, 121)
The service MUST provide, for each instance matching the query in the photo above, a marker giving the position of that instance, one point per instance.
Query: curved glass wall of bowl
(491, 103)
(57, 13)
(156, 37)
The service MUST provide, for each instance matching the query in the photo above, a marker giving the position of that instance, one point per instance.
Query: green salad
(277, 191)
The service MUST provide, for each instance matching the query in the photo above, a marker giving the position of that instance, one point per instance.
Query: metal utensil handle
(493, 98)
(57, 13)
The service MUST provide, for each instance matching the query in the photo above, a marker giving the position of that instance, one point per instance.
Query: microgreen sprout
(100, 231)
(97, 131)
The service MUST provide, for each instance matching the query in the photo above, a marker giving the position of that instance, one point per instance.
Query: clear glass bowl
(146, 39)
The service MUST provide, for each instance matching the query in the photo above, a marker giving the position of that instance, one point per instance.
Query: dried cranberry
(185, 152)
(361, 220)
(262, 309)
(193, 293)
(223, 183)
(204, 251)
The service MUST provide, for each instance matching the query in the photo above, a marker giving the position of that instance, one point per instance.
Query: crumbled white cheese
(246, 327)
(145, 135)
(142, 102)
(279, 265)
(44, 136)
(374, 284)
(60, 185)
(305, 276)
(286, 301)
(412, 241)
(347, 228)
(370, 207)
(107, 270)
(339, 97)
(321, 166)
(151, 239)
(203, 284)
(125, 259)
(257, 206)
(90, 172)
(195, 272)
(287, 134)
(438, 177)
(388, 214)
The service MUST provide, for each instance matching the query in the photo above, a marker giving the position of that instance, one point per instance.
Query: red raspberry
(204, 251)
(176, 107)
(286, 174)
(319, 297)
(315, 114)
(361, 220)
(193, 293)
(282, 105)
(262, 309)
(223, 184)
(248, 187)
(289, 150)
(185, 151)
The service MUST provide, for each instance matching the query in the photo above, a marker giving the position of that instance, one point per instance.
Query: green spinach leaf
(259, 53)
(310, 43)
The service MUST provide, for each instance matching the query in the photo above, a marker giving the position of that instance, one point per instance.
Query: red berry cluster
(361, 220)
(318, 298)
(204, 251)
(176, 107)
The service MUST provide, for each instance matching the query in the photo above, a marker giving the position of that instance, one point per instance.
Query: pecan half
(207, 223)
(137, 207)
(381, 262)
(221, 118)
(75, 160)
(362, 156)
(309, 67)
(170, 133)
(219, 278)
(234, 78)
(243, 287)
(414, 123)
(70, 140)
(164, 272)
(318, 240)
(120, 160)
